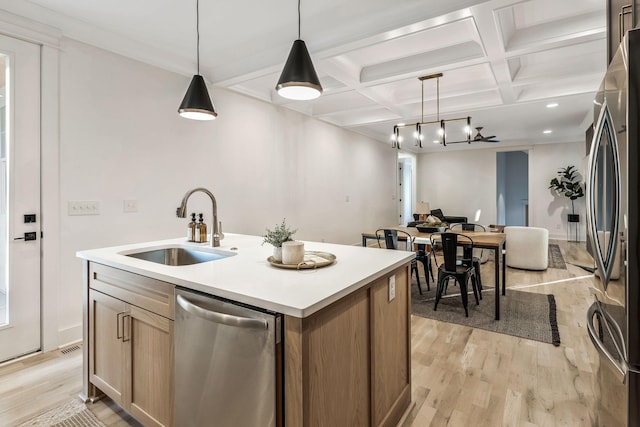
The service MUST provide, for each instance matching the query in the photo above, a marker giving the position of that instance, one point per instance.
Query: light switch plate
(83, 207)
(130, 206)
(392, 287)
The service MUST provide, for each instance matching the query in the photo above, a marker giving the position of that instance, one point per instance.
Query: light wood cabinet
(349, 364)
(131, 347)
(390, 349)
(105, 342)
(346, 365)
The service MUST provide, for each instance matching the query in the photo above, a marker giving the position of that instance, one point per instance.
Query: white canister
(292, 252)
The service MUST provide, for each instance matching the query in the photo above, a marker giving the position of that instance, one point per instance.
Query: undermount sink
(180, 255)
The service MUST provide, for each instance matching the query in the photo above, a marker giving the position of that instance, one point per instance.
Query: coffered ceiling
(503, 60)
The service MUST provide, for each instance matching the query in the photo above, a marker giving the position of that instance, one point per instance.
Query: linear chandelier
(445, 131)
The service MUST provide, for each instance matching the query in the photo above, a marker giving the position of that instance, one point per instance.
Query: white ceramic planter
(277, 254)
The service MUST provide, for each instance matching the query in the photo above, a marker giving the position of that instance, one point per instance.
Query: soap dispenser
(191, 228)
(201, 230)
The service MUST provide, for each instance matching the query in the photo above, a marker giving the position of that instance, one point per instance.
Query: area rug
(522, 314)
(556, 260)
(72, 414)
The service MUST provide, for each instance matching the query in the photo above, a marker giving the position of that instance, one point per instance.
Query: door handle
(31, 235)
(620, 367)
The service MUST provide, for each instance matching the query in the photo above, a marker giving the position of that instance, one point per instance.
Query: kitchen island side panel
(345, 365)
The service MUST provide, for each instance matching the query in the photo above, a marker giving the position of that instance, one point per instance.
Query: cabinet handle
(118, 334)
(126, 337)
(625, 10)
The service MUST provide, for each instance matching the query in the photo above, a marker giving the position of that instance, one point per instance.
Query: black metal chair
(453, 268)
(476, 254)
(391, 242)
(423, 256)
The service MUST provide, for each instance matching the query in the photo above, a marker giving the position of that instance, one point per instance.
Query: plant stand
(573, 221)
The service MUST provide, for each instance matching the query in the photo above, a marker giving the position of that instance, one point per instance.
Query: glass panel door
(20, 214)
(4, 303)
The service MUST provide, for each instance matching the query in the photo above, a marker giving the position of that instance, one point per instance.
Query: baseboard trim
(70, 335)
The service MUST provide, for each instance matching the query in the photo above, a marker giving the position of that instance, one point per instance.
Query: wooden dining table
(481, 239)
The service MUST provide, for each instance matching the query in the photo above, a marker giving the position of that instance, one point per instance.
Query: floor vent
(70, 349)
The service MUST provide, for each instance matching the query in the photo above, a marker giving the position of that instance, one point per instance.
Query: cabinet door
(149, 347)
(106, 349)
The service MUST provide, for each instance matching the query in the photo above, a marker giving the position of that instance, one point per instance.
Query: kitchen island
(345, 328)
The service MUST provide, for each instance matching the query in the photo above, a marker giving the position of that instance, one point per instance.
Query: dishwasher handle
(224, 319)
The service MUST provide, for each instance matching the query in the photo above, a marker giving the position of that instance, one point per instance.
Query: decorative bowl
(431, 228)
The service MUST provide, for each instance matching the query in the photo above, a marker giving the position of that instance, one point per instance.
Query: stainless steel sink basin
(180, 255)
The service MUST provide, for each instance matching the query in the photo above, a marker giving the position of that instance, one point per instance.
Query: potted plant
(276, 237)
(568, 184)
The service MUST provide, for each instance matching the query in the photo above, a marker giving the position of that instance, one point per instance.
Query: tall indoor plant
(568, 183)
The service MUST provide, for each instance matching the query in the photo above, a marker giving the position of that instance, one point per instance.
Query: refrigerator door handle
(621, 367)
(604, 260)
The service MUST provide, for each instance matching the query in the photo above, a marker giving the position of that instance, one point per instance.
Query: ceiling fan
(480, 138)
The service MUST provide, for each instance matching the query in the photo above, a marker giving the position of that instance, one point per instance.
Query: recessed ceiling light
(547, 131)
(552, 105)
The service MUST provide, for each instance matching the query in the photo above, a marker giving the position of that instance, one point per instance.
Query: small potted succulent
(276, 237)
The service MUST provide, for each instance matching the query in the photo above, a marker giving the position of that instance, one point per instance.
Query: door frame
(527, 209)
(410, 159)
(50, 40)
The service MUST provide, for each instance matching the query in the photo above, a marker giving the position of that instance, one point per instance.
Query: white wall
(459, 182)
(462, 181)
(551, 210)
(121, 138)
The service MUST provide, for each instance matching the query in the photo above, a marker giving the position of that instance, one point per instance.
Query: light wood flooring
(471, 377)
(460, 376)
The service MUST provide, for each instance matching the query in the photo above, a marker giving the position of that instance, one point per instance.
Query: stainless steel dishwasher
(227, 363)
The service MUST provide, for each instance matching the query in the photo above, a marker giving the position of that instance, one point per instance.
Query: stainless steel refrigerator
(613, 226)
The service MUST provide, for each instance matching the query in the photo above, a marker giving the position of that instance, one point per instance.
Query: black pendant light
(299, 80)
(197, 104)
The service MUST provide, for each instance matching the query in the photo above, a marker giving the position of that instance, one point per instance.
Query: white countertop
(249, 278)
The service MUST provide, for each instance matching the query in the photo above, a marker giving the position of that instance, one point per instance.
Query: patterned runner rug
(556, 260)
(72, 414)
(522, 314)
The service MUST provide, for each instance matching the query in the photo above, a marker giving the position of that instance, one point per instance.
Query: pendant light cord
(298, 19)
(438, 99)
(198, 34)
(422, 101)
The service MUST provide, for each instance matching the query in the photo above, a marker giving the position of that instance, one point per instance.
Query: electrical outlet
(392, 287)
(130, 206)
(83, 207)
